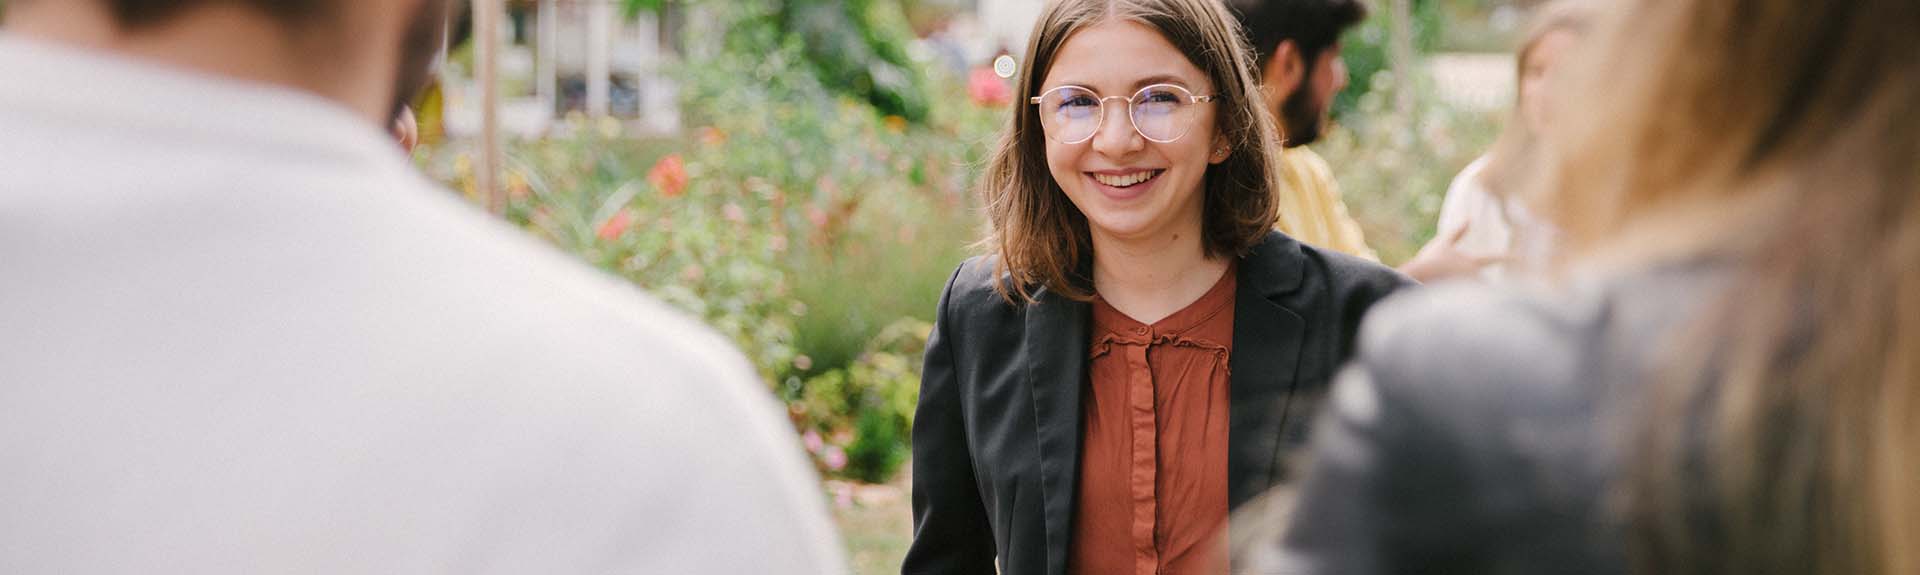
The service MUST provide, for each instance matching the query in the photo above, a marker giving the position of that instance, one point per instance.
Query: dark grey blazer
(996, 438)
(1480, 430)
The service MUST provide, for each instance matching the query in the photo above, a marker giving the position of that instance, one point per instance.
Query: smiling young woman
(1140, 350)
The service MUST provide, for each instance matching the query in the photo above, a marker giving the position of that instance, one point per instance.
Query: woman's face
(1130, 187)
(1536, 78)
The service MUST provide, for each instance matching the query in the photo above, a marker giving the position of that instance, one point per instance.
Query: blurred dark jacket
(1479, 431)
(996, 438)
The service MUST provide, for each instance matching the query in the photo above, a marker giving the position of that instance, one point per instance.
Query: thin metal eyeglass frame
(1135, 124)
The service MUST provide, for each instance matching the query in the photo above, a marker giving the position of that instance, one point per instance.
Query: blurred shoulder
(630, 385)
(1307, 163)
(1460, 344)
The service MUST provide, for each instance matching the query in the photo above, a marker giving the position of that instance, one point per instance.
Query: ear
(1221, 150)
(1284, 71)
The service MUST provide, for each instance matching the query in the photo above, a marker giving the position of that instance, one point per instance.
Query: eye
(1079, 101)
(1160, 97)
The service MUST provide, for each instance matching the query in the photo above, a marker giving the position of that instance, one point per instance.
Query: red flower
(712, 136)
(615, 226)
(669, 175)
(988, 88)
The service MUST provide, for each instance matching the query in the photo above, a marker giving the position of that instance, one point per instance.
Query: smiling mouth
(1127, 180)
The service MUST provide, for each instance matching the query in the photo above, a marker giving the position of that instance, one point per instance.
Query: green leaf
(633, 8)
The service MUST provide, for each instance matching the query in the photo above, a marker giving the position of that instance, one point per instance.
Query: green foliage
(1394, 170)
(861, 46)
(1366, 49)
(865, 411)
(880, 445)
(634, 7)
(852, 47)
(880, 207)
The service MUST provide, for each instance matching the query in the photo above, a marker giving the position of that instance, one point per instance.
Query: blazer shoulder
(1348, 274)
(974, 283)
(972, 292)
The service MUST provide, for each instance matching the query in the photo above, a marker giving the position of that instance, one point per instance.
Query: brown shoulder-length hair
(1783, 432)
(1040, 237)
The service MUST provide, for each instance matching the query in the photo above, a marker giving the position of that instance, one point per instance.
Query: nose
(1117, 136)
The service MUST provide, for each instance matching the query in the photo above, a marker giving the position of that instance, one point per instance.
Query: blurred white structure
(1007, 23)
(561, 56)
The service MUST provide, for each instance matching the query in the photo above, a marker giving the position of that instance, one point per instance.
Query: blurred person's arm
(1442, 258)
(406, 129)
(950, 529)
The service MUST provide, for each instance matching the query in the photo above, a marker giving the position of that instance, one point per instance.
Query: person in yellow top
(1297, 43)
(1310, 206)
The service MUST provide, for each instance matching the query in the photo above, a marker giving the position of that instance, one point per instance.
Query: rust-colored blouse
(1153, 463)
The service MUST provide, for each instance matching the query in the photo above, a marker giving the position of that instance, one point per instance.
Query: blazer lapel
(1056, 342)
(1267, 341)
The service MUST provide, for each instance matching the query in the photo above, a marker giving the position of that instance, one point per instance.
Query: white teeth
(1126, 180)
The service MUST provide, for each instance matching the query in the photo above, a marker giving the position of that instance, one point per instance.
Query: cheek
(1063, 162)
(1533, 91)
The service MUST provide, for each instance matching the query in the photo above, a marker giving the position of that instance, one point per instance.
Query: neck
(1150, 278)
(224, 40)
(1275, 96)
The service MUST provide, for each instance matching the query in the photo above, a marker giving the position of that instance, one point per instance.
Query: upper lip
(1124, 172)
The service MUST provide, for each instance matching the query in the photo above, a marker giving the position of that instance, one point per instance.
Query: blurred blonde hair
(1515, 151)
(1783, 135)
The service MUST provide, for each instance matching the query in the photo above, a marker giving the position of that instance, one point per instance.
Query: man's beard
(426, 37)
(1300, 119)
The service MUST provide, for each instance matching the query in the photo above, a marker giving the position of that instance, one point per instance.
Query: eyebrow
(1137, 85)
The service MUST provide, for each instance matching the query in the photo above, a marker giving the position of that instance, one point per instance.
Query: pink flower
(987, 88)
(812, 440)
(835, 458)
(734, 213)
(615, 226)
(669, 175)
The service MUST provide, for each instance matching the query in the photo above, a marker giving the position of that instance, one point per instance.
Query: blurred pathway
(1479, 81)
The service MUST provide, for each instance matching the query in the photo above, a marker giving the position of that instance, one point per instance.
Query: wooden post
(1401, 52)
(486, 38)
(548, 60)
(599, 58)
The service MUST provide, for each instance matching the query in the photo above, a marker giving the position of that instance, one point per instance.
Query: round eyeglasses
(1160, 113)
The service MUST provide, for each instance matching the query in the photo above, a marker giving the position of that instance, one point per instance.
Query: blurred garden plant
(1394, 170)
(812, 224)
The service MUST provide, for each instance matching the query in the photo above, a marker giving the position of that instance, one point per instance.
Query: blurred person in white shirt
(243, 335)
(1482, 216)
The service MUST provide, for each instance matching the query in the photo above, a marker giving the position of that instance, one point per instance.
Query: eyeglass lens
(1161, 113)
